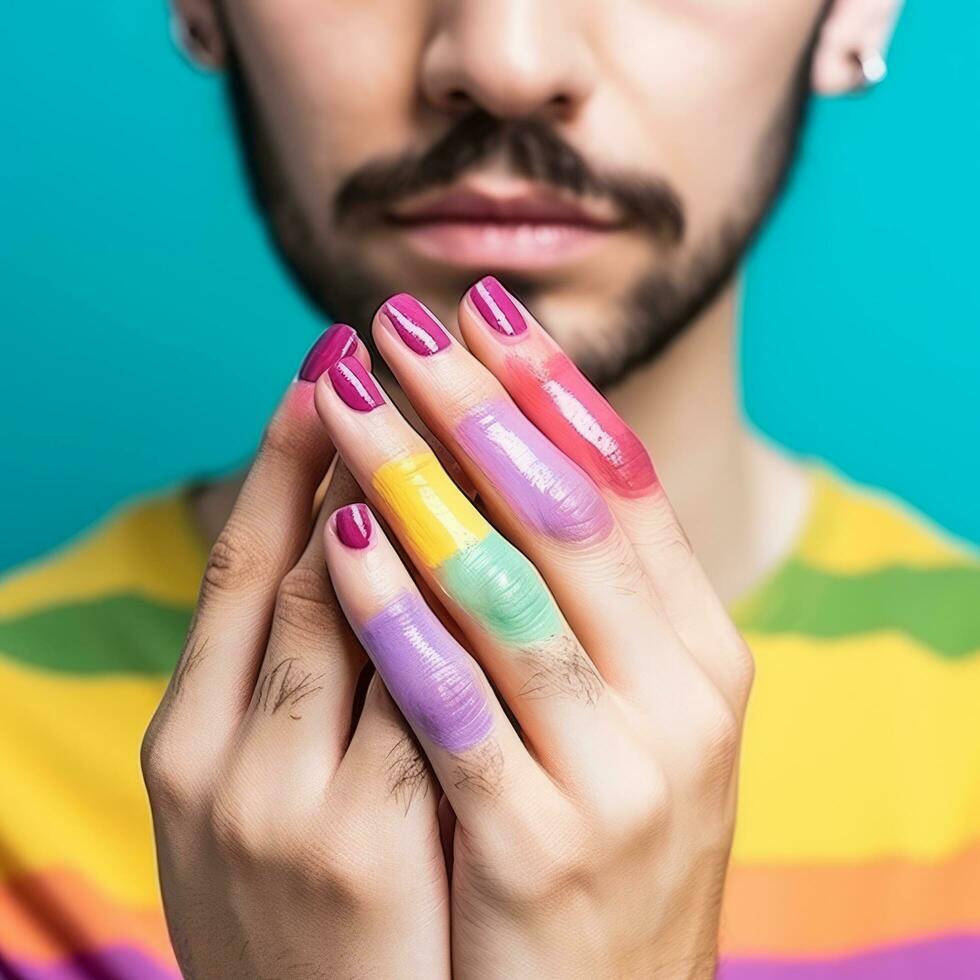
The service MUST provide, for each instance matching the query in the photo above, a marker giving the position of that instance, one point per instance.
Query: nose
(510, 58)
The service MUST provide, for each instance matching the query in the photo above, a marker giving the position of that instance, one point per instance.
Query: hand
(287, 846)
(582, 703)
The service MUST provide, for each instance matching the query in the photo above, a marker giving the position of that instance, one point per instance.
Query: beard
(658, 307)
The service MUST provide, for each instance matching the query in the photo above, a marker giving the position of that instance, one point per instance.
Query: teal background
(147, 330)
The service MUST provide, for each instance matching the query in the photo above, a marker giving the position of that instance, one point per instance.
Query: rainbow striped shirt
(857, 851)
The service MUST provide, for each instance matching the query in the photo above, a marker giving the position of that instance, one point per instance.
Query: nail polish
(497, 308)
(354, 384)
(418, 329)
(354, 526)
(334, 343)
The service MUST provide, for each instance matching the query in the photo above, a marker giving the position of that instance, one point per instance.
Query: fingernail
(355, 385)
(354, 526)
(418, 329)
(496, 306)
(334, 343)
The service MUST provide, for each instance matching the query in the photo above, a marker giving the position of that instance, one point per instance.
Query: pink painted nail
(334, 343)
(354, 526)
(418, 329)
(497, 308)
(355, 385)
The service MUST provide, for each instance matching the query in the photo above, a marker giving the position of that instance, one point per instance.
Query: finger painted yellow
(479, 569)
(435, 515)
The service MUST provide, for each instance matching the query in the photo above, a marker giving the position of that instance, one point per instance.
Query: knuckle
(480, 770)
(555, 853)
(718, 739)
(665, 535)
(314, 852)
(237, 829)
(582, 516)
(510, 595)
(237, 560)
(305, 603)
(464, 397)
(671, 542)
(352, 874)
(549, 871)
(169, 780)
(633, 804)
(280, 439)
(560, 668)
(642, 809)
(742, 668)
(329, 855)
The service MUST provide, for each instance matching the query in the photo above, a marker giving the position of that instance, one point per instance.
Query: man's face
(608, 159)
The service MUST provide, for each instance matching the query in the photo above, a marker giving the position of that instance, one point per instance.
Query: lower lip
(498, 245)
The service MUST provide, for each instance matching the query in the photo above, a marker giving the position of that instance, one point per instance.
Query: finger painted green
(502, 590)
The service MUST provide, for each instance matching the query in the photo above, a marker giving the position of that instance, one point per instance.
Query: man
(610, 163)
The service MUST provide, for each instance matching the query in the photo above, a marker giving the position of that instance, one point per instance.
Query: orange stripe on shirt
(820, 910)
(48, 914)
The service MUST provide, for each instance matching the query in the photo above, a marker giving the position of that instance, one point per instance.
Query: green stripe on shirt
(938, 607)
(118, 634)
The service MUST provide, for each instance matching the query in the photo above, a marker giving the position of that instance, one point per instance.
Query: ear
(853, 45)
(200, 33)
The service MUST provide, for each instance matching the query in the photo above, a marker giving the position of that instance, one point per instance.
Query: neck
(740, 502)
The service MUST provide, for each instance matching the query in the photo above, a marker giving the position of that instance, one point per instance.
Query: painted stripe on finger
(548, 491)
(562, 402)
(428, 673)
(479, 569)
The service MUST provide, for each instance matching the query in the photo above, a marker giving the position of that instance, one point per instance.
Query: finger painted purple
(355, 385)
(334, 343)
(428, 674)
(497, 308)
(354, 526)
(548, 491)
(418, 329)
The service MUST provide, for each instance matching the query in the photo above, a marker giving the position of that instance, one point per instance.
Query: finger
(440, 690)
(268, 527)
(385, 794)
(298, 722)
(542, 501)
(384, 768)
(488, 586)
(564, 405)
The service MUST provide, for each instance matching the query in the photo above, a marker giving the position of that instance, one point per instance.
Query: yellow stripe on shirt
(151, 550)
(846, 757)
(73, 793)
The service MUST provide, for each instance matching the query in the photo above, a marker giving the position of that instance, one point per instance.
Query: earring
(194, 44)
(872, 66)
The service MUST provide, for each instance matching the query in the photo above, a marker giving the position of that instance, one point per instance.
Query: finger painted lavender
(428, 674)
(547, 490)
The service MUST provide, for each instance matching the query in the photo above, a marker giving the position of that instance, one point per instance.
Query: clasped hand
(541, 779)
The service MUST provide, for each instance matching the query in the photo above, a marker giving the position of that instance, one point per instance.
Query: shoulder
(116, 599)
(868, 563)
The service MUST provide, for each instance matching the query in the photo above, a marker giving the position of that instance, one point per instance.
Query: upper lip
(525, 206)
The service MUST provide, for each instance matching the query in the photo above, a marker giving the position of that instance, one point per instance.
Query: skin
(595, 846)
(614, 86)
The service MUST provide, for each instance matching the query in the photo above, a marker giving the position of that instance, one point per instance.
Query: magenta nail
(418, 329)
(355, 385)
(354, 526)
(497, 308)
(334, 343)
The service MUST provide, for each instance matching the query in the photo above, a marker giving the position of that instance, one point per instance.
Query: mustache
(533, 150)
